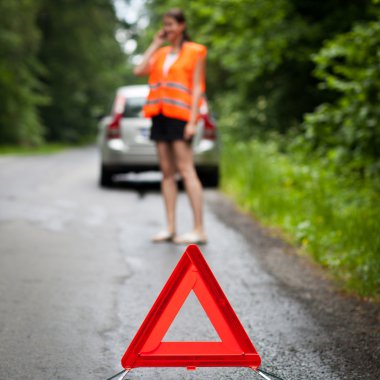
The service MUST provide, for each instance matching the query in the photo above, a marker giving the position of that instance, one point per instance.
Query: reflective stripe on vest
(169, 101)
(154, 86)
(178, 86)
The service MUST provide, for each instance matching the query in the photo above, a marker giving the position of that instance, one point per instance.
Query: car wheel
(105, 177)
(209, 177)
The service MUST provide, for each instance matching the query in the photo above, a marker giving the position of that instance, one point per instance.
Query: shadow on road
(142, 183)
(141, 187)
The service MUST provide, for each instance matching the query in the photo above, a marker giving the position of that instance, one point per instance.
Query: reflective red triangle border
(235, 348)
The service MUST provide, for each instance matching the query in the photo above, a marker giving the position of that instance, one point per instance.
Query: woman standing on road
(177, 84)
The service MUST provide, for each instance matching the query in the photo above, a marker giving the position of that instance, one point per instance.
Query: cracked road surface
(78, 275)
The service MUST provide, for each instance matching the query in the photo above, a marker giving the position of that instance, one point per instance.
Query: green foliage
(21, 93)
(59, 67)
(83, 62)
(32, 150)
(336, 219)
(347, 132)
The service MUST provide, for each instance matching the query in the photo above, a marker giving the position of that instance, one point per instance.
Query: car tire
(105, 179)
(209, 177)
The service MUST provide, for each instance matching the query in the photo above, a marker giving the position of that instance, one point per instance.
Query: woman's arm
(199, 74)
(143, 68)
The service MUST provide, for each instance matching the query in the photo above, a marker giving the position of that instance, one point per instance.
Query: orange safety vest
(171, 94)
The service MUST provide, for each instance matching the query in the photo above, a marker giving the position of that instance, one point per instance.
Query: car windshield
(133, 107)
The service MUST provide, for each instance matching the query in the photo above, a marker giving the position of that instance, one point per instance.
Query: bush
(347, 132)
(335, 219)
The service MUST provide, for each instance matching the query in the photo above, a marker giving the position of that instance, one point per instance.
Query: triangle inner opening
(191, 324)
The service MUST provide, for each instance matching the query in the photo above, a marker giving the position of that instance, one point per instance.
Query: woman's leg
(183, 154)
(168, 184)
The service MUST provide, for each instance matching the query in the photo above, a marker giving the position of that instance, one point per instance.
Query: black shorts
(167, 128)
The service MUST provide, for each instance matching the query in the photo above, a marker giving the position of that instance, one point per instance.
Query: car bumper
(117, 157)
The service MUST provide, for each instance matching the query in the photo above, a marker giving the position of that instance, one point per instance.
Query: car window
(133, 107)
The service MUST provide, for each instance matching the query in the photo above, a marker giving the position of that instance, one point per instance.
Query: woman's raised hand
(159, 37)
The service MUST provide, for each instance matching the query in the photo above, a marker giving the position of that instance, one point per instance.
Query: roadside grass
(336, 220)
(30, 150)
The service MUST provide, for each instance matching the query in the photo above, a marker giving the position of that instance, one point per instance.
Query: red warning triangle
(235, 348)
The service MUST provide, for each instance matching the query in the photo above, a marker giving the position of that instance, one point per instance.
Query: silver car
(125, 145)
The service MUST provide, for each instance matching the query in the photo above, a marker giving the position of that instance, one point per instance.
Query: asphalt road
(78, 274)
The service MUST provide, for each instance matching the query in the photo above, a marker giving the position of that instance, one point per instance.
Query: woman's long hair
(178, 15)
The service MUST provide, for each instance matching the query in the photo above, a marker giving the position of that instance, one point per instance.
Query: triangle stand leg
(262, 375)
(123, 375)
